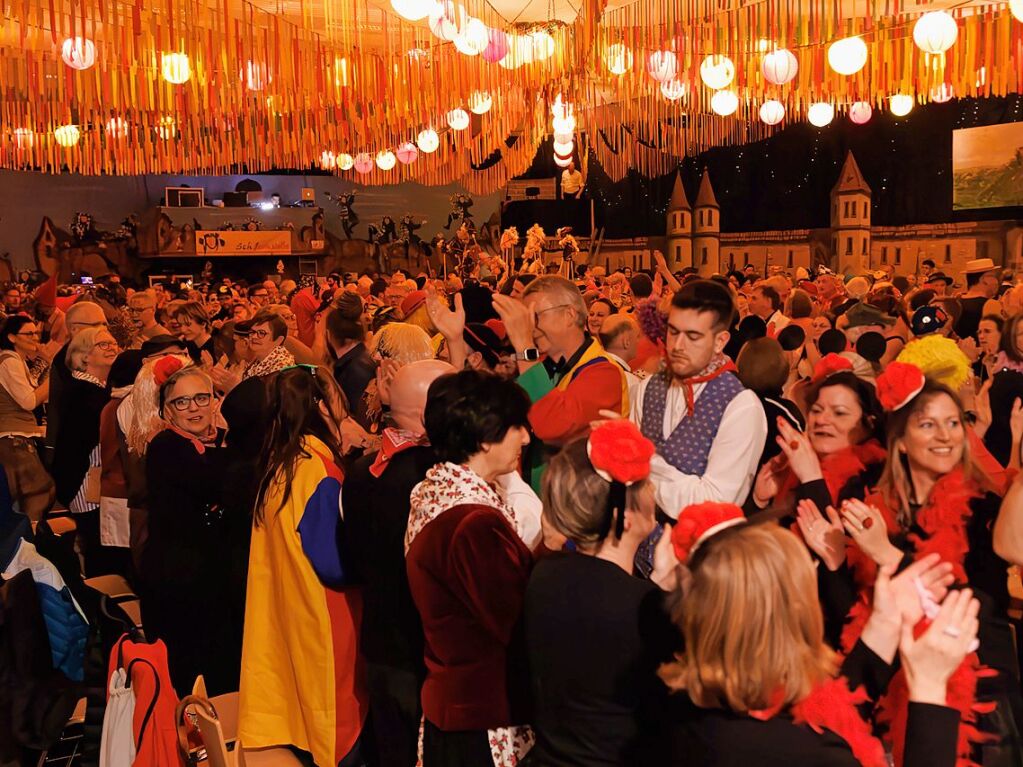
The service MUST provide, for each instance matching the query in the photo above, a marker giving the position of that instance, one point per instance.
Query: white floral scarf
(275, 361)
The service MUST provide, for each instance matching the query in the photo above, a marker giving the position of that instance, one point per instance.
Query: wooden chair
(114, 586)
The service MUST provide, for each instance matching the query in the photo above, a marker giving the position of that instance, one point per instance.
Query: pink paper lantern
(363, 163)
(407, 153)
(497, 48)
(860, 112)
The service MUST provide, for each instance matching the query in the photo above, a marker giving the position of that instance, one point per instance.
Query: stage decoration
(328, 161)
(407, 153)
(717, 72)
(935, 32)
(385, 159)
(256, 76)
(543, 45)
(564, 125)
(428, 141)
(1016, 8)
(724, 103)
(345, 161)
(564, 148)
(861, 112)
(480, 102)
(942, 93)
(447, 19)
(175, 68)
(780, 67)
(78, 52)
(497, 46)
(67, 135)
(772, 112)
(848, 55)
(820, 114)
(662, 65)
(458, 119)
(473, 39)
(363, 163)
(673, 90)
(619, 59)
(24, 138)
(413, 10)
(901, 104)
(117, 127)
(167, 128)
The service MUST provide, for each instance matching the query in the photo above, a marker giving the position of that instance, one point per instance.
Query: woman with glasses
(182, 561)
(20, 394)
(76, 455)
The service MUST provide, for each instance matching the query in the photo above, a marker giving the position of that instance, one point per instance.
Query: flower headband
(164, 368)
(898, 385)
(830, 364)
(699, 522)
(619, 454)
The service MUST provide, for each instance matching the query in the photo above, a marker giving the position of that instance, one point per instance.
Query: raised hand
(769, 480)
(519, 320)
(868, 528)
(931, 659)
(824, 536)
(450, 322)
(796, 447)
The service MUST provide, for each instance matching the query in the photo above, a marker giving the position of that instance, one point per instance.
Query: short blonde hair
(403, 342)
(80, 346)
(565, 290)
(751, 621)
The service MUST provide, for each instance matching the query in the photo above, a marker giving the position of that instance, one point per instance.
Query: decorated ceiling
(436, 91)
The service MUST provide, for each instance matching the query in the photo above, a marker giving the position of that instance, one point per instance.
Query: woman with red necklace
(932, 499)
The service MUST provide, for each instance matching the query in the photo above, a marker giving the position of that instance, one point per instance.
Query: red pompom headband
(619, 454)
(830, 364)
(699, 522)
(164, 368)
(898, 385)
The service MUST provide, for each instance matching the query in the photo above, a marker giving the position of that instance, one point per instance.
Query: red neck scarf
(199, 443)
(392, 442)
(718, 366)
(838, 468)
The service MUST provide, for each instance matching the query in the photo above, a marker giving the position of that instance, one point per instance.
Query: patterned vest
(688, 446)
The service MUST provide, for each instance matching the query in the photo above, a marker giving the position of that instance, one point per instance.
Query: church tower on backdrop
(850, 220)
(706, 230)
(680, 228)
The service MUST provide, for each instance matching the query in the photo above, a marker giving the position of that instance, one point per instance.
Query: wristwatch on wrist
(531, 354)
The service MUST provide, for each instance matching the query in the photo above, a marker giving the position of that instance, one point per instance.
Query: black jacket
(81, 405)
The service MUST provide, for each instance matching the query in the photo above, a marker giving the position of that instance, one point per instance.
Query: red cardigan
(467, 572)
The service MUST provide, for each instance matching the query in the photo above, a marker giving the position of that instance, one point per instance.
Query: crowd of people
(638, 517)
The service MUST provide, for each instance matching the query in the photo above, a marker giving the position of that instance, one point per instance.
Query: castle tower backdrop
(850, 219)
(680, 228)
(707, 230)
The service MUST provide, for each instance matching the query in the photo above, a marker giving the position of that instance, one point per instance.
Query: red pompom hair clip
(164, 368)
(830, 364)
(699, 522)
(619, 454)
(898, 385)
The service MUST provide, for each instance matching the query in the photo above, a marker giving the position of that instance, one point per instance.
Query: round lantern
(543, 46)
(561, 162)
(1016, 8)
(564, 124)
(413, 10)
(497, 46)
(480, 102)
(67, 135)
(24, 137)
(860, 112)
(345, 161)
(328, 161)
(167, 128)
(820, 114)
(559, 108)
(473, 38)
(78, 52)
(407, 153)
(564, 148)
(458, 119)
(386, 159)
(255, 76)
(363, 163)
(662, 65)
(724, 103)
(935, 32)
(673, 90)
(717, 72)
(981, 80)
(117, 127)
(447, 20)
(563, 138)
(942, 93)
(428, 141)
(619, 58)
(901, 104)
(780, 66)
(848, 55)
(772, 112)
(175, 68)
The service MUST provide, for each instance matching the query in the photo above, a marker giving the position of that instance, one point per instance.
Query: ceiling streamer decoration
(222, 86)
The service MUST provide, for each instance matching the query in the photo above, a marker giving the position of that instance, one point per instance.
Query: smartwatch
(531, 354)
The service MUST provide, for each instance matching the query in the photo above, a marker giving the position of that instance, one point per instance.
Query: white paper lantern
(447, 20)
(673, 90)
(564, 148)
(619, 58)
(24, 137)
(772, 112)
(255, 76)
(78, 52)
(67, 135)
(724, 103)
(1016, 8)
(363, 163)
(942, 93)
(662, 65)
(562, 163)
(167, 128)
(717, 72)
(345, 161)
(564, 124)
(480, 102)
(560, 109)
(820, 114)
(848, 55)
(780, 66)
(407, 153)
(117, 127)
(520, 51)
(860, 113)
(458, 119)
(901, 104)
(428, 141)
(328, 160)
(563, 138)
(175, 68)
(473, 38)
(935, 32)
(543, 45)
(413, 10)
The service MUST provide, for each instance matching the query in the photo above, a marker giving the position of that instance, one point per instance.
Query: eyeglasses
(138, 309)
(536, 315)
(181, 404)
(33, 334)
(259, 335)
(106, 345)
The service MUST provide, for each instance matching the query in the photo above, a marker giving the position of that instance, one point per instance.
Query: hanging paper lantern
(942, 93)
(413, 10)
(563, 138)
(520, 51)
(497, 46)
(772, 112)
(24, 137)
(363, 163)
(820, 114)
(901, 104)
(175, 68)
(543, 45)
(560, 109)
(619, 58)
(407, 153)
(255, 76)
(328, 161)
(935, 32)
(861, 112)
(561, 162)
(473, 38)
(345, 161)
(848, 55)
(673, 90)
(564, 148)
(78, 52)
(1016, 8)
(117, 127)
(67, 135)
(662, 65)
(780, 66)
(564, 124)
(981, 77)
(167, 128)
(717, 72)
(428, 141)
(480, 102)
(724, 103)
(458, 119)
(447, 20)
(386, 159)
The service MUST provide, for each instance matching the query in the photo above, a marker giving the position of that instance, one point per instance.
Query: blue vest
(688, 446)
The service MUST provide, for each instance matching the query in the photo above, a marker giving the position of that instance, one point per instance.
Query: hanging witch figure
(569, 248)
(388, 231)
(409, 237)
(345, 211)
(460, 204)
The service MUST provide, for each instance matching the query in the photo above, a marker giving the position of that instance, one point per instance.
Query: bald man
(375, 499)
(619, 335)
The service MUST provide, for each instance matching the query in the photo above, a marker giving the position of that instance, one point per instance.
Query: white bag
(114, 522)
(117, 747)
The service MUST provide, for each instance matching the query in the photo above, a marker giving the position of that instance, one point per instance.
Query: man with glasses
(565, 371)
(259, 296)
(142, 313)
(12, 300)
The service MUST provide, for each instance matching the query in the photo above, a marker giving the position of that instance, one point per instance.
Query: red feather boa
(838, 468)
(943, 521)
